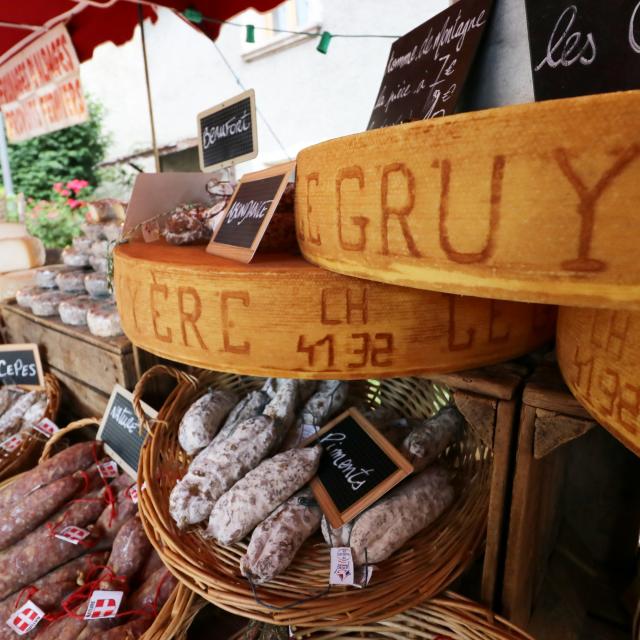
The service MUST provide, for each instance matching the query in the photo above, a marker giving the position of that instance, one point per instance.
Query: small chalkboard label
(227, 133)
(120, 430)
(582, 47)
(428, 66)
(358, 466)
(20, 364)
(249, 212)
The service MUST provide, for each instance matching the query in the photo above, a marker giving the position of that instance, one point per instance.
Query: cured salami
(251, 406)
(254, 497)
(11, 419)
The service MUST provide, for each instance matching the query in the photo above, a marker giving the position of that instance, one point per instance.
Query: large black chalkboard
(227, 133)
(427, 67)
(20, 364)
(120, 430)
(580, 47)
(357, 467)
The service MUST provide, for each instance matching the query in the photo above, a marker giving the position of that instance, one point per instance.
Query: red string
(156, 597)
(28, 592)
(110, 499)
(85, 476)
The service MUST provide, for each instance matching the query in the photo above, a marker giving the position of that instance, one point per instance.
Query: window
(292, 15)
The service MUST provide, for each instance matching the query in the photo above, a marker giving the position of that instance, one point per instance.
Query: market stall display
(450, 204)
(434, 557)
(188, 306)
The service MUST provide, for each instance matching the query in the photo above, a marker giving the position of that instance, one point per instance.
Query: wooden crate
(86, 365)
(489, 398)
(574, 518)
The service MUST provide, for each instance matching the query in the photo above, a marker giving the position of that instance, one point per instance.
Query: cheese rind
(21, 253)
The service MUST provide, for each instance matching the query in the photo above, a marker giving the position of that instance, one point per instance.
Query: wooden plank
(79, 399)
(82, 359)
(498, 381)
(479, 412)
(554, 429)
(546, 390)
(534, 517)
(117, 344)
(498, 502)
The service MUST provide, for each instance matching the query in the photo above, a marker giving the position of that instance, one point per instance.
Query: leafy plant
(57, 221)
(59, 156)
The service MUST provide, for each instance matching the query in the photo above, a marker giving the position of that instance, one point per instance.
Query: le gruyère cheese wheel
(281, 316)
(17, 254)
(534, 202)
(599, 355)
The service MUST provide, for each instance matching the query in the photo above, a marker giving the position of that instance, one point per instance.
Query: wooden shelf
(534, 202)
(281, 316)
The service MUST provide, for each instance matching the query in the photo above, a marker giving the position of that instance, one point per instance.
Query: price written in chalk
(428, 66)
(583, 47)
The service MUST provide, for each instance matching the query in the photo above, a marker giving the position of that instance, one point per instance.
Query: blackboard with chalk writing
(120, 430)
(227, 133)
(20, 364)
(249, 212)
(358, 466)
(583, 47)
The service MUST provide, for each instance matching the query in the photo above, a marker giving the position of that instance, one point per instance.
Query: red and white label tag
(46, 427)
(108, 469)
(341, 566)
(72, 534)
(12, 443)
(132, 492)
(151, 231)
(25, 618)
(103, 604)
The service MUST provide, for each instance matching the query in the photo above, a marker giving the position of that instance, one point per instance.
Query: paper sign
(108, 469)
(72, 534)
(120, 430)
(583, 46)
(46, 427)
(227, 133)
(358, 466)
(25, 618)
(11, 443)
(103, 604)
(341, 566)
(249, 212)
(20, 364)
(428, 66)
(132, 493)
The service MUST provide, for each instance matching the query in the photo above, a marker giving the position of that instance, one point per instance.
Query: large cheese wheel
(536, 202)
(599, 355)
(17, 254)
(12, 230)
(281, 316)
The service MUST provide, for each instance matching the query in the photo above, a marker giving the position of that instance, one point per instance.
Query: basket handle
(58, 435)
(158, 369)
(53, 391)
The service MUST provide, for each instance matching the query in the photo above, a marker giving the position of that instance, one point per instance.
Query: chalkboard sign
(20, 364)
(120, 430)
(358, 466)
(583, 46)
(249, 212)
(427, 67)
(227, 133)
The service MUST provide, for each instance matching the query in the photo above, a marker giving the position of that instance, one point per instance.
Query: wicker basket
(175, 617)
(26, 455)
(422, 568)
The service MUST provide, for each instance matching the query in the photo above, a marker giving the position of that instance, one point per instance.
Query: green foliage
(60, 156)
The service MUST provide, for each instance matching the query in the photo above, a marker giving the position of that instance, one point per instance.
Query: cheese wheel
(599, 356)
(12, 230)
(17, 254)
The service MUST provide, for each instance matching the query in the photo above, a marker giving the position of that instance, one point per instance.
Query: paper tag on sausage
(150, 231)
(25, 618)
(108, 469)
(132, 493)
(341, 566)
(103, 604)
(73, 534)
(12, 443)
(46, 427)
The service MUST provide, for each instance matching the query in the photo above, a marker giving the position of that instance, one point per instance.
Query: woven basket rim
(183, 552)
